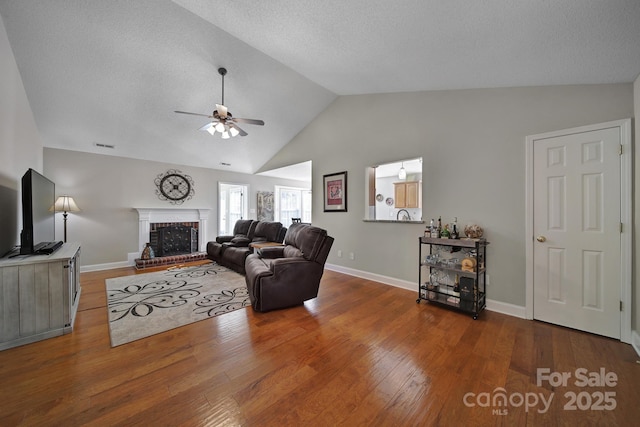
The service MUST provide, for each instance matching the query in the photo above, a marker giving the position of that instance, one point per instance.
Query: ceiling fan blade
(241, 132)
(194, 114)
(249, 121)
(222, 111)
(207, 126)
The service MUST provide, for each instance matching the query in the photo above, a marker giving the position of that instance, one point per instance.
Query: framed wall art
(265, 206)
(335, 192)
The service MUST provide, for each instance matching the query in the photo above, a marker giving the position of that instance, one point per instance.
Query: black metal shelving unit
(457, 288)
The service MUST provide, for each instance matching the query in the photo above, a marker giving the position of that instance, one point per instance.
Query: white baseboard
(506, 308)
(374, 277)
(635, 342)
(492, 305)
(131, 257)
(130, 262)
(106, 266)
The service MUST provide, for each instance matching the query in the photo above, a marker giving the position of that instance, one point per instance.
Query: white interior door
(577, 231)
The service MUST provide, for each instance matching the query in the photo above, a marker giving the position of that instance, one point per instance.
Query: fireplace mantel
(146, 216)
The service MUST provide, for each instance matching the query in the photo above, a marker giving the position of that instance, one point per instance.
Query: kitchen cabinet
(408, 194)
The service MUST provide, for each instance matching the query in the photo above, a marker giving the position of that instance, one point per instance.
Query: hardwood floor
(362, 353)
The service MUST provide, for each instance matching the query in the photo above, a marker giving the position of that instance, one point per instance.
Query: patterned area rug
(146, 304)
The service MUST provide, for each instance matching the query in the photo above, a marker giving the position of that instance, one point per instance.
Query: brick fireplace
(181, 230)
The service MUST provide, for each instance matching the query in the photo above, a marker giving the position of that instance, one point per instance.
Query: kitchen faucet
(406, 217)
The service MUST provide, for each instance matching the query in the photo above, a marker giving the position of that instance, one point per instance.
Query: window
(291, 202)
(232, 206)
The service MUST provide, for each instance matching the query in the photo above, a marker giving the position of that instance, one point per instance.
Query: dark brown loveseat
(231, 251)
(284, 276)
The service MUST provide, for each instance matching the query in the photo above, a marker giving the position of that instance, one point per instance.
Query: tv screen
(38, 215)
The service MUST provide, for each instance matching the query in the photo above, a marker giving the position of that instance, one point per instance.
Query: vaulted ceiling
(112, 72)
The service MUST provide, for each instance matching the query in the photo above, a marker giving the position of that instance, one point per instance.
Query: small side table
(260, 245)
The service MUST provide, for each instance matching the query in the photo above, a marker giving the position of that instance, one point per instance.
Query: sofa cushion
(308, 239)
(267, 231)
(214, 250)
(242, 227)
(235, 255)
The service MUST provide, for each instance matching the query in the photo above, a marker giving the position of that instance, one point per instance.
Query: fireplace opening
(169, 239)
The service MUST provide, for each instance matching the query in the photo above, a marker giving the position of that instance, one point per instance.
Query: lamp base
(64, 216)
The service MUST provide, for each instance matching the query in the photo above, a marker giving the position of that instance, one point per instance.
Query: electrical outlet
(352, 255)
(339, 253)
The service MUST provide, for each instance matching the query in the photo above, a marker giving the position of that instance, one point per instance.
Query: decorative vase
(147, 252)
(473, 231)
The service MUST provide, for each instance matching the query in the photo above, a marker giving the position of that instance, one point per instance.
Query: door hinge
(620, 151)
(621, 306)
(621, 228)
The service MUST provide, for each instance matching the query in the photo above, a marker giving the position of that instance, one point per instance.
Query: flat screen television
(38, 217)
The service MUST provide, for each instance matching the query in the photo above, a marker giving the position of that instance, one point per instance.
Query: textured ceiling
(113, 72)
(369, 46)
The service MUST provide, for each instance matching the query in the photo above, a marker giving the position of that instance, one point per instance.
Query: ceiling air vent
(105, 145)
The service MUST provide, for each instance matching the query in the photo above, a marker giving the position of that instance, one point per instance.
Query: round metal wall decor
(174, 186)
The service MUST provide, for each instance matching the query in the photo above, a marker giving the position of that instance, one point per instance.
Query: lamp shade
(66, 204)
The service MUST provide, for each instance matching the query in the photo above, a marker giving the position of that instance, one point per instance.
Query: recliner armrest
(271, 252)
(224, 239)
(290, 265)
(241, 242)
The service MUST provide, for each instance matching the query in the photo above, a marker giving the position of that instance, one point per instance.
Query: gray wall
(636, 288)
(473, 146)
(20, 144)
(107, 188)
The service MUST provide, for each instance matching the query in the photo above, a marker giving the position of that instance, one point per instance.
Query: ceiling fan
(223, 121)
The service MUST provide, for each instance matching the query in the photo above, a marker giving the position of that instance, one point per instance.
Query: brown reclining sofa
(285, 276)
(231, 251)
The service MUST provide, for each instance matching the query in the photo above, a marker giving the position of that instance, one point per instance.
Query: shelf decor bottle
(454, 229)
(434, 230)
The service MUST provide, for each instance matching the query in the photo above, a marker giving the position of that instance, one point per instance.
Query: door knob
(541, 239)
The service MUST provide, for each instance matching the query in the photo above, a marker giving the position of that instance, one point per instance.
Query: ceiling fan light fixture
(224, 122)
